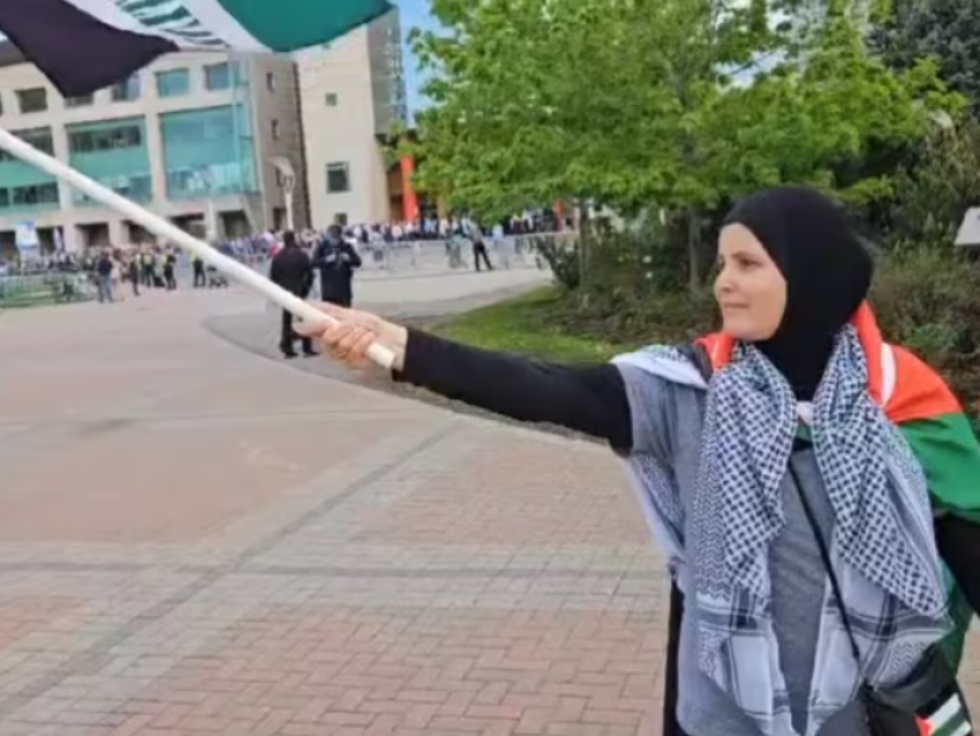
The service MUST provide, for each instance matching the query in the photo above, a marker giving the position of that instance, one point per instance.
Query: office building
(192, 137)
(352, 94)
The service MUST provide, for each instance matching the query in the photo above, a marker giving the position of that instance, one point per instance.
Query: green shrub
(928, 299)
(562, 259)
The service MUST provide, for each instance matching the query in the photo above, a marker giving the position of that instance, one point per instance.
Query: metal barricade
(28, 290)
(511, 251)
(441, 254)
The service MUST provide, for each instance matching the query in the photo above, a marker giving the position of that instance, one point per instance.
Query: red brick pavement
(562, 497)
(195, 541)
(20, 617)
(311, 672)
(184, 480)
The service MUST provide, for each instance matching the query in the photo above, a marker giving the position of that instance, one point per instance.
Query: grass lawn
(527, 325)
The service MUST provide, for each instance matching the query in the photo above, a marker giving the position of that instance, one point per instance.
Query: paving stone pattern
(196, 540)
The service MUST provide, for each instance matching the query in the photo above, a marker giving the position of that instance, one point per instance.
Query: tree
(947, 30)
(645, 104)
(537, 100)
(931, 198)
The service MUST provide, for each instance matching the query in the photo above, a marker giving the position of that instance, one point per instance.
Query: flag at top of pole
(85, 45)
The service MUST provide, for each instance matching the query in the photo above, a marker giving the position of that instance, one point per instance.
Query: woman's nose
(723, 283)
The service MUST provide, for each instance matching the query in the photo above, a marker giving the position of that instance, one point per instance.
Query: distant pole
(287, 192)
(287, 180)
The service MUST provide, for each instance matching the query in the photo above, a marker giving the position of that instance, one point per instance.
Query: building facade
(192, 137)
(352, 94)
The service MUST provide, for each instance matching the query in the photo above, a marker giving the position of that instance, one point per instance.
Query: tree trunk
(694, 251)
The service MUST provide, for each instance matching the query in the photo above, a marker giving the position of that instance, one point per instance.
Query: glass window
(40, 138)
(32, 100)
(128, 90)
(109, 138)
(34, 195)
(137, 187)
(331, 99)
(338, 178)
(270, 81)
(4, 197)
(275, 130)
(81, 101)
(208, 151)
(217, 76)
(173, 83)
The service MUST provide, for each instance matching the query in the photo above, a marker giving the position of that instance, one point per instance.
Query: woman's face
(750, 288)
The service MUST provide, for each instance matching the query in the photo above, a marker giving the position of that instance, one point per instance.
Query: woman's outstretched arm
(591, 399)
(588, 398)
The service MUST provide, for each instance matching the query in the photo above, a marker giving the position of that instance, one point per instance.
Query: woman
(771, 475)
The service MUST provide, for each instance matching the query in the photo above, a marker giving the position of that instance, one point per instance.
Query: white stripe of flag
(950, 712)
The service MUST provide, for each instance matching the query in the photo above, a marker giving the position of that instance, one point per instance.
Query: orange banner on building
(410, 199)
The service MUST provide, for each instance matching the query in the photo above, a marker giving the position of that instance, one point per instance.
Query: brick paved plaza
(196, 540)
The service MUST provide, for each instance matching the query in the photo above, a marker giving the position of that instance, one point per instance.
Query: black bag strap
(811, 518)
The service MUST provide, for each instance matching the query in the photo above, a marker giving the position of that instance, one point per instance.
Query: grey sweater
(667, 418)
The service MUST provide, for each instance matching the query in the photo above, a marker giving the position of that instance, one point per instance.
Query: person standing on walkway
(133, 272)
(103, 275)
(200, 280)
(169, 269)
(336, 260)
(291, 269)
(148, 266)
(475, 234)
(788, 465)
(501, 247)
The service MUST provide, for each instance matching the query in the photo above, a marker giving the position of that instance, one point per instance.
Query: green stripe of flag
(287, 25)
(949, 453)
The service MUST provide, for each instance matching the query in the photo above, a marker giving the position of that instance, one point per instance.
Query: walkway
(196, 540)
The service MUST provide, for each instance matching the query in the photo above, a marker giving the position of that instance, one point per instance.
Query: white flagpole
(228, 266)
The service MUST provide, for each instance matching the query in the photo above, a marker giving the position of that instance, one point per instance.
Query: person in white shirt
(500, 247)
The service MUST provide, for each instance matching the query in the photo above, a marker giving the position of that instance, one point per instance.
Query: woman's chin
(740, 329)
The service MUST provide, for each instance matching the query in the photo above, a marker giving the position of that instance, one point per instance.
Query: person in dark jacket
(291, 269)
(133, 272)
(792, 289)
(103, 272)
(336, 260)
(170, 269)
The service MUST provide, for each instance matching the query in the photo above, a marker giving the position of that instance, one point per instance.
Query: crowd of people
(110, 271)
(443, 228)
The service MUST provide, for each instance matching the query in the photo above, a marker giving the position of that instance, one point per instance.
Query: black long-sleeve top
(592, 399)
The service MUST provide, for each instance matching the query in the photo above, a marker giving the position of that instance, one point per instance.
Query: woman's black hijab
(827, 270)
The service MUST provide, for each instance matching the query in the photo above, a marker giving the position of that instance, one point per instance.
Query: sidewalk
(196, 540)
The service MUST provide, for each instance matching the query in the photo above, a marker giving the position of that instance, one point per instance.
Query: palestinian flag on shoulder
(947, 717)
(85, 45)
